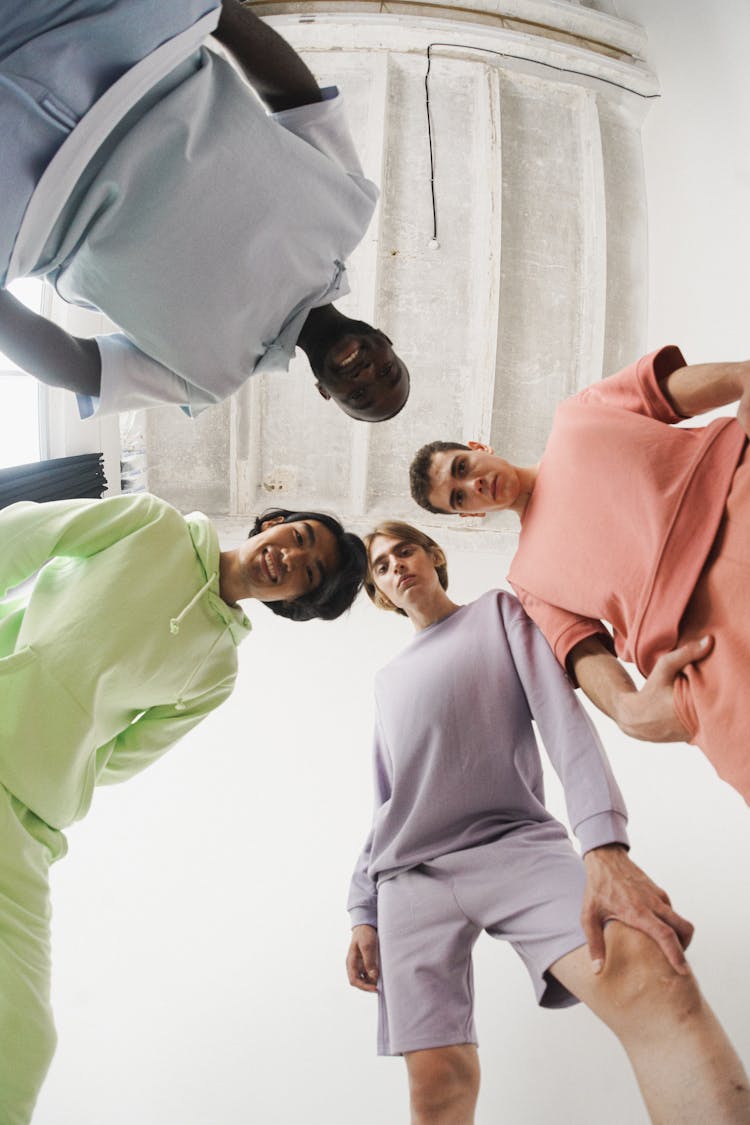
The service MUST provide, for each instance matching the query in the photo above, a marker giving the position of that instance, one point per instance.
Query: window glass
(19, 395)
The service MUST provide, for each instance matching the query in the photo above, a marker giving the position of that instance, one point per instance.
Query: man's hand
(617, 888)
(362, 959)
(649, 714)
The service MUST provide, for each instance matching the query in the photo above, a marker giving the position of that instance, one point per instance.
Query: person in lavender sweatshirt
(462, 842)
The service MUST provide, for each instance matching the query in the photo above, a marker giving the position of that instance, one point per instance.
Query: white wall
(199, 930)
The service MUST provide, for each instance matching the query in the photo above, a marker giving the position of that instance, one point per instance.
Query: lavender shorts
(526, 888)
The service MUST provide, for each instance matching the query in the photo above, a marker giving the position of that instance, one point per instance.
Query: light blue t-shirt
(207, 234)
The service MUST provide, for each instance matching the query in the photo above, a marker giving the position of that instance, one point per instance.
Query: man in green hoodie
(127, 639)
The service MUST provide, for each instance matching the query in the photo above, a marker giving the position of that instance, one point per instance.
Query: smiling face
(404, 573)
(473, 481)
(363, 375)
(286, 560)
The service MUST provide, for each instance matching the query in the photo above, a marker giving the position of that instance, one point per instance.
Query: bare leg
(687, 1069)
(443, 1085)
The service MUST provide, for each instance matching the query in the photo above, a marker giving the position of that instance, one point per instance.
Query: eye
(385, 371)
(356, 396)
(309, 575)
(381, 568)
(461, 467)
(297, 537)
(458, 498)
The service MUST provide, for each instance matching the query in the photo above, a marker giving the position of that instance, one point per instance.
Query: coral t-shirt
(623, 514)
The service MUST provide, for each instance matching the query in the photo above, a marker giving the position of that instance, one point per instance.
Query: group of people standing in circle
(141, 174)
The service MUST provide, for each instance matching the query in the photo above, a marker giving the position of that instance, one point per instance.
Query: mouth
(404, 579)
(271, 565)
(347, 359)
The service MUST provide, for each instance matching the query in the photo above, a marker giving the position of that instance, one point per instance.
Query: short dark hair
(419, 472)
(405, 533)
(339, 589)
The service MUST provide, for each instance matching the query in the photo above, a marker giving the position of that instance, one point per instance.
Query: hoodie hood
(206, 544)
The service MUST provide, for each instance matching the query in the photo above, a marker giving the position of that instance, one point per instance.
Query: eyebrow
(454, 468)
(374, 562)
(311, 543)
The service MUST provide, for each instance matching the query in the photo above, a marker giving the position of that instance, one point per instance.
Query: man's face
(403, 572)
(364, 376)
(472, 482)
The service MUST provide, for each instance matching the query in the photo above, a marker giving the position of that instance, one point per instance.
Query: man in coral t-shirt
(633, 520)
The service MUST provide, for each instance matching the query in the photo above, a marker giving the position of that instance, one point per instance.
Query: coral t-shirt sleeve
(638, 387)
(563, 630)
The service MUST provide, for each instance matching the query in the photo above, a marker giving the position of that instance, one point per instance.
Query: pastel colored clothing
(121, 646)
(69, 72)
(525, 888)
(206, 229)
(457, 767)
(623, 518)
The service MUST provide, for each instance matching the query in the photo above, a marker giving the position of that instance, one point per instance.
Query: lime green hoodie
(122, 645)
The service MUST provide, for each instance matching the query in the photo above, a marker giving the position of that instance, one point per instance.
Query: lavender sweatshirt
(456, 760)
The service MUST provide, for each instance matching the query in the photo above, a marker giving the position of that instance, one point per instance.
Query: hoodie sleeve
(362, 903)
(31, 534)
(596, 809)
(152, 733)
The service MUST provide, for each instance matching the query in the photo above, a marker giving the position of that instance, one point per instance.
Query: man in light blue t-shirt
(145, 178)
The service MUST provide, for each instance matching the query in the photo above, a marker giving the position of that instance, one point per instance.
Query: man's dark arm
(269, 63)
(46, 350)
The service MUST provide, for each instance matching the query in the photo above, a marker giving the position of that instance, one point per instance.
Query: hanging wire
(503, 54)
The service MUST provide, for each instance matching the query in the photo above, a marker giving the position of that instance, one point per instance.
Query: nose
(292, 557)
(480, 485)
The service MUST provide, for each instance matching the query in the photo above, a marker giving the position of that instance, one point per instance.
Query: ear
(472, 515)
(323, 392)
(478, 445)
(438, 557)
(269, 523)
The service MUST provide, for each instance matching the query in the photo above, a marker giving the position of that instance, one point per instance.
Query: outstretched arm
(648, 713)
(707, 386)
(46, 350)
(272, 67)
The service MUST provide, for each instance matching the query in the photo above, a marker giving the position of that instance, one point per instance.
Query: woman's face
(286, 560)
(403, 572)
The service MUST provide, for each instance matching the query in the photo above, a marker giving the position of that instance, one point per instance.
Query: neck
(430, 609)
(322, 326)
(527, 478)
(230, 587)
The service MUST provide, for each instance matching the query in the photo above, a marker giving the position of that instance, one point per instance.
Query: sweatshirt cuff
(603, 828)
(363, 916)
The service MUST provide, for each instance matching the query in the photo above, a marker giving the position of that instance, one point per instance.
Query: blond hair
(404, 533)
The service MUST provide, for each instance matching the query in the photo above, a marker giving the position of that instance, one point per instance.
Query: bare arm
(270, 64)
(706, 386)
(46, 350)
(647, 714)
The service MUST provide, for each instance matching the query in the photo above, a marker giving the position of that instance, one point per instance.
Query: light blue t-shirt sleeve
(132, 380)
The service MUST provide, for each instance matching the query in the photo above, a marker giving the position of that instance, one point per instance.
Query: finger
(370, 961)
(666, 938)
(681, 927)
(673, 662)
(594, 931)
(353, 965)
